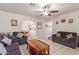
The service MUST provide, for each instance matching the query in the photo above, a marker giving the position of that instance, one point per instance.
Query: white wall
(45, 32)
(40, 32)
(5, 21)
(73, 27)
(47, 29)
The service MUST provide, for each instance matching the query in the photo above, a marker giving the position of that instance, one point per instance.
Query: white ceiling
(29, 10)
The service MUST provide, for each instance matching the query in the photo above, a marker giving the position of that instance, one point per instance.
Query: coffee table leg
(48, 51)
(27, 45)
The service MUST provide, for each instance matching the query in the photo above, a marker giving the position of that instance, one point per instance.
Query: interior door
(48, 29)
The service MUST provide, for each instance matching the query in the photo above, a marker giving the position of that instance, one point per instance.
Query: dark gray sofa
(63, 39)
(13, 49)
(22, 40)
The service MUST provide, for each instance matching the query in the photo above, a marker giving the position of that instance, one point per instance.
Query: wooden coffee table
(37, 47)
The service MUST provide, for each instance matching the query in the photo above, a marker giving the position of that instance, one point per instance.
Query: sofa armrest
(74, 42)
(73, 38)
(54, 35)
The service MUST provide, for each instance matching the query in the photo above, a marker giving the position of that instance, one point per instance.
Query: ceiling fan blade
(39, 11)
(49, 14)
(53, 11)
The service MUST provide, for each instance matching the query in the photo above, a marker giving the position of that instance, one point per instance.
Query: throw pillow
(3, 50)
(19, 35)
(69, 36)
(58, 35)
(7, 41)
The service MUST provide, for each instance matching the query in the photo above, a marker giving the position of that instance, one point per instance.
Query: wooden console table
(37, 47)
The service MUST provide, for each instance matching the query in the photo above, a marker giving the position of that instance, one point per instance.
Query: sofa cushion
(63, 34)
(69, 36)
(12, 47)
(7, 41)
(58, 35)
(65, 40)
(20, 35)
(15, 33)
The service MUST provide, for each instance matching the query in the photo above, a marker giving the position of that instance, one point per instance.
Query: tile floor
(55, 49)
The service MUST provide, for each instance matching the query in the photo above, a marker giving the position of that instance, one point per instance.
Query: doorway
(29, 26)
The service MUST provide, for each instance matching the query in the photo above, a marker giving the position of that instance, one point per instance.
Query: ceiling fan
(46, 11)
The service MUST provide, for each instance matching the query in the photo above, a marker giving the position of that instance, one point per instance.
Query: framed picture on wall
(39, 25)
(70, 20)
(56, 22)
(46, 25)
(63, 20)
(13, 22)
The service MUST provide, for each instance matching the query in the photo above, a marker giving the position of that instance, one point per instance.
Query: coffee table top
(38, 45)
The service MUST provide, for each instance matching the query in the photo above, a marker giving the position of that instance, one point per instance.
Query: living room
(49, 27)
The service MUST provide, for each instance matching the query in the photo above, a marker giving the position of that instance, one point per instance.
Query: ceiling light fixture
(45, 13)
(45, 9)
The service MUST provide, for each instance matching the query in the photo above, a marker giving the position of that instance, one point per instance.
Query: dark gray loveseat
(63, 39)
